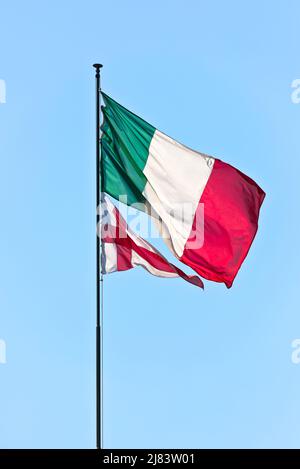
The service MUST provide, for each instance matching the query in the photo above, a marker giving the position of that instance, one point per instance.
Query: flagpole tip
(97, 66)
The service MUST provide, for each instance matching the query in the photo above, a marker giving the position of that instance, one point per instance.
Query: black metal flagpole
(99, 279)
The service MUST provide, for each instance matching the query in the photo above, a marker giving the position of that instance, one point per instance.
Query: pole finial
(97, 66)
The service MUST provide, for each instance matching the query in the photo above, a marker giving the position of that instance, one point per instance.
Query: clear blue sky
(183, 368)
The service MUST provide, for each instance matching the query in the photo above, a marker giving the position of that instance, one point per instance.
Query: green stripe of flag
(126, 140)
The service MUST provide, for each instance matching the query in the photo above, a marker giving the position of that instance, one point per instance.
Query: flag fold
(122, 249)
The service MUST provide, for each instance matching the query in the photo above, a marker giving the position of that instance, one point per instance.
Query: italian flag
(122, 249)
(206, 210)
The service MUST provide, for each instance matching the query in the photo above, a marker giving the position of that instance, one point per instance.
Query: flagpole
(99, 278)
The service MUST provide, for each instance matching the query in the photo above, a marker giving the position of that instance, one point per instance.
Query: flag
(122, 249)
(207, 210)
